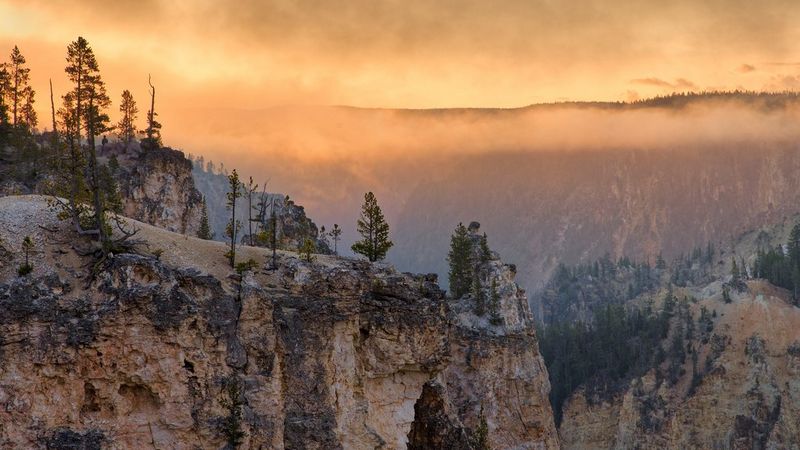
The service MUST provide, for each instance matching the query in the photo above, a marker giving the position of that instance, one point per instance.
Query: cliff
(157, 186)
(717, 361)
(179, 352)
(745, 395)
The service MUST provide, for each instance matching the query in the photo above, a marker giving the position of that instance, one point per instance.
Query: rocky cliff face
(170, 353)
(157, 187)
(746, 396)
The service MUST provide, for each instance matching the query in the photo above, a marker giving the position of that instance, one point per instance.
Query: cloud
(680, 83)
(746, 68)
(784, 82)
(396, 53)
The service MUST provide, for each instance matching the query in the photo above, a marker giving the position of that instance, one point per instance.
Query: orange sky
(249, 54)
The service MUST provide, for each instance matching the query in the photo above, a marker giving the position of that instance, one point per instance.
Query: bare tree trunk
(53, 112)
(99, 211)
(274, 238)
(250, 214)
(151, 117)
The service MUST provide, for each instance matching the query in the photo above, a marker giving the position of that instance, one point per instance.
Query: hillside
(180, 352)
(745, 396)
(692, 353)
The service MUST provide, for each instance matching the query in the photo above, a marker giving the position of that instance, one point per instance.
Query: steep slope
(573, 207)
(748, 396)
(708, 356)
(167, 353)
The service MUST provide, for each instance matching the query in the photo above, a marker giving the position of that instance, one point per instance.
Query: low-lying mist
(327, 157)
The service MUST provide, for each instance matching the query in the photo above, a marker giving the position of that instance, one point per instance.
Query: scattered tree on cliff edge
(477, 293)
(373, 229)
(153, 131)
(307, 250)
(460, 259)
(126, 125)
(336, 235)
(494, 305)
(19, 77)
(86, 181)
(205, 229)
(250, 190)
(233, 225)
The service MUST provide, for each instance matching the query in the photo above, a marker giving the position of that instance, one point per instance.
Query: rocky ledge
(337, 353)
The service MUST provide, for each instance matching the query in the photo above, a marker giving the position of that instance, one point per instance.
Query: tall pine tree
(373, 229)
(20, 76)
(205, 229)
(460, 259)
(126, 127)
(232, 230)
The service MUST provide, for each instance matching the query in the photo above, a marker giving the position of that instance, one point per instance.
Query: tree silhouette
(460, 259)
(83, 105)
(126, 126)
(336, 235)
(231, 231)
(5, 88)
(250, 190)
(20, 76)
(153, 132)
(205, 229)
(373, 229)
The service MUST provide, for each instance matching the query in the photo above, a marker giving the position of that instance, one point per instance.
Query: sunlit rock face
(337, 353)
(156, 186)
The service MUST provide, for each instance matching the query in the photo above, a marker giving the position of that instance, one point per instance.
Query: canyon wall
(181, 352)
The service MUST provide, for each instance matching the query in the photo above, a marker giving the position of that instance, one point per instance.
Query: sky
(242, 82)
(252, 54)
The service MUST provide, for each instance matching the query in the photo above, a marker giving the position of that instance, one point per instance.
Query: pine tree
(28, 116)
(231, 231)
(5, 89)
(85, 105)
(307, 250)
(460, 259)
(336, 234)
(205, 229)
(127, 123)
(660, 263)
(27, 248)
(480, 437)
(20, 76)
(373, 229)
(494, 305)
(486, 253)
(477, 294)
(734, 271)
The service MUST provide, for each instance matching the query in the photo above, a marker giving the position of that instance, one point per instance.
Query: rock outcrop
(171, 353)
(157, 186)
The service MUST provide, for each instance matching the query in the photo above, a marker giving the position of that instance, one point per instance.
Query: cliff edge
(181, 352)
